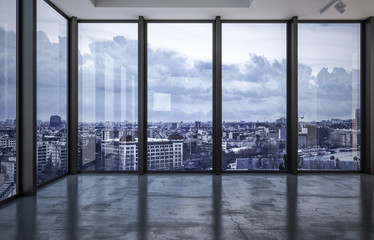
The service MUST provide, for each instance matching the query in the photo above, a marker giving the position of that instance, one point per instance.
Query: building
(357, 122)
(122, 154)
(7, 142)
(281, 120)
(51, 158)
(8, 168)
(197, 124)
(55, 121)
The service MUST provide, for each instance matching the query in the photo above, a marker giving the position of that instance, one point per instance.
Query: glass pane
(329, 97)
(8, 90)
(179, 96)
(253, 97)
(108, 97)
(51, 93)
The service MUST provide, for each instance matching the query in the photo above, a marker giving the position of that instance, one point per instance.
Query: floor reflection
(142, 207)
(72, 207)
(161, 206)
(217, 206)
(366, 193)
(291, 206)
(26, 218)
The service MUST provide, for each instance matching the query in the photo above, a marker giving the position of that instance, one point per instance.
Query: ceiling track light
(339, 6)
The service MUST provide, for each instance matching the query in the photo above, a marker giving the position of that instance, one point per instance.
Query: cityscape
(51, 148)
(51, 153)
(8, 163)
(187, 146)
(184, 146)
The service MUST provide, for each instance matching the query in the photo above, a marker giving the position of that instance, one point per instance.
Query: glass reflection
(51, 93)
(329, 97)
(108, 97)
(8, 58)
(179, 97)
(253, 97)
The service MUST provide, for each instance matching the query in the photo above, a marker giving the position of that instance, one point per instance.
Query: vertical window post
(26, 104)
(142, 96)
(367, 96)
(73, 97)
(217, 96)
(292, 111)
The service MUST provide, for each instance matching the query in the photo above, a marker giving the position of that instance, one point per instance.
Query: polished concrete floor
(195, 206)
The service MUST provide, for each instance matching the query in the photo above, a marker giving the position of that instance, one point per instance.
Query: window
(329, 97)
(51, 93)
(8, 167)
(108, 96)
(253, 96)
(180, 95)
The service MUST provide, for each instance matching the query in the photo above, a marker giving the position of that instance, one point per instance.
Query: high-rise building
(174, 126)
(41, 158)
(55, 121)
(358, 118)
(281, 120)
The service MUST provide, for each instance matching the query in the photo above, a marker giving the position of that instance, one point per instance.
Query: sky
(7, 59)
(180, 70)
(89, 33)
(50, 22)
(51, 63)
(241, 40)
(191, 40)
(328, 77)
(329, 45)
(8, 14)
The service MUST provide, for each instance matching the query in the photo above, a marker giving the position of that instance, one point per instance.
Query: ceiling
(259, 9)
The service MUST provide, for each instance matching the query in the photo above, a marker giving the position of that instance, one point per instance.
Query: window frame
(362, 96)
(287, 95)
(74, 160)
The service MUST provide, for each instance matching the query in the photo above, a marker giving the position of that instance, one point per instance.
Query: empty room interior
(198, 119)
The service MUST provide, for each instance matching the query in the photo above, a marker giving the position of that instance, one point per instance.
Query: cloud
(108, 81)
(7, 74)
(256, 94)
(330, 94)
(109, 91)
(51, 77)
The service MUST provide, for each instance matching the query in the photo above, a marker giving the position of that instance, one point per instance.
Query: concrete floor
(195, 206)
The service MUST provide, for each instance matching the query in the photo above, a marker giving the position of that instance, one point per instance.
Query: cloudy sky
(51, 63)
(254, 71)
(7, 59)
(180, 70)
(329, 79)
